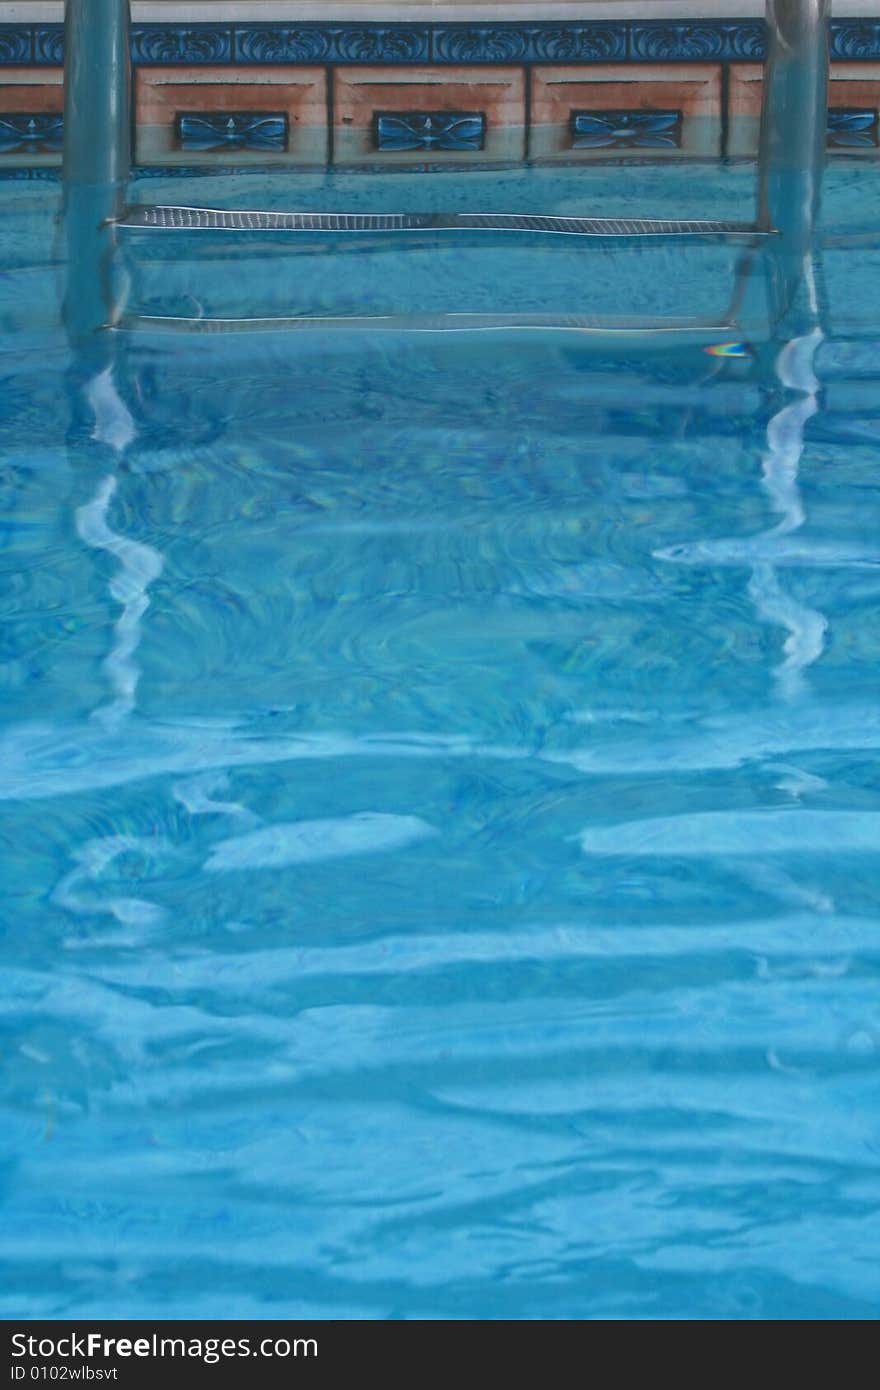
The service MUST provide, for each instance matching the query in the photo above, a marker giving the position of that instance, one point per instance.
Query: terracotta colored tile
(744, 109)
(692, 89)
(500, 93)
(852, 84)
(36, 91)
(162, 92)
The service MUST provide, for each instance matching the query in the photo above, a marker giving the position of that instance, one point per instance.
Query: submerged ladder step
(191, 219)
(599, 333)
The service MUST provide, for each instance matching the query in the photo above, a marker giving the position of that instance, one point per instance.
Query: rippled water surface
(439, 784)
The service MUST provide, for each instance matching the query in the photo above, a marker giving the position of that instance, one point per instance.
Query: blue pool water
(439, 784)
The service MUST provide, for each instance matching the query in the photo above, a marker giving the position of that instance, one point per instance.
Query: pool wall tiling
(409, 84)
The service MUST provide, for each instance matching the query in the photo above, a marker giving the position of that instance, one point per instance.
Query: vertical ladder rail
(96, 170)
(792, 149)
(97, 92)
(97, 155)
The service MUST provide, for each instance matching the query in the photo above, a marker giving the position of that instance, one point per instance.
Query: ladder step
(599, 332)
(188, 219)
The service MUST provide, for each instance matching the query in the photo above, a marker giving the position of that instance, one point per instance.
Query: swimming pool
(438, 786)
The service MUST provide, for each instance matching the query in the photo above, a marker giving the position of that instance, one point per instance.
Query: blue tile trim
(742, 41)
(652, 41)
(855, 40)
(696, 41)
(37, 172)
(181, 43)
(529, 43)
(16, 43)
(332, 43)
(49, 44)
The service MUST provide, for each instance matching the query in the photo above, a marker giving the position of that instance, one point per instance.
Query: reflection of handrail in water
(785, 429)
(806, 626)
(139, 565)
(765, 552)
(791, 161)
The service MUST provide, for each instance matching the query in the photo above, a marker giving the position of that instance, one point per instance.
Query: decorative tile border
(636, 41)
(528, 43)
(402, 131)
(164, 44)
(853, 127)
(31, 115)
(31, 132)
(329, 43)
(683, 41)
(16, 44)
(213, 131)
(320, 93)
(855, 40)
(619, 130)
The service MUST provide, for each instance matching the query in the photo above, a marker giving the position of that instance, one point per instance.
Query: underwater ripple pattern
(440, 829)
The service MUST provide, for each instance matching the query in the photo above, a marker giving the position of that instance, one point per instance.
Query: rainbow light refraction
(728, 350)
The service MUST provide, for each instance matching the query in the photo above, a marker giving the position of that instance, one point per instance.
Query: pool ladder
(97, 161)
